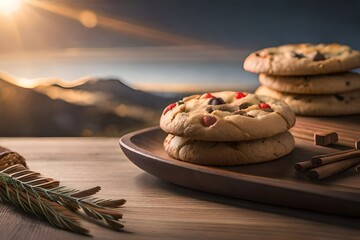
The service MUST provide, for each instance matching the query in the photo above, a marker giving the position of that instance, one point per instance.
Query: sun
(7, 7)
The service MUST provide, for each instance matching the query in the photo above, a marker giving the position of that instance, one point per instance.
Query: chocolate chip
(339, 97)
(244, 105)
(222, 107)
(216, 101)
(347, 83)
(297, 55)
(318, 56)
(209, 109)
(263, 105)
(208, 121)
(257, 54)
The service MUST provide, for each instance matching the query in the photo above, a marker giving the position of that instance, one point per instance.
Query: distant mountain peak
(35, 82)
(95, 106)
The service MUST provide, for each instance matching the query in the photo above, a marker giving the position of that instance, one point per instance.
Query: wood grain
(155, 209)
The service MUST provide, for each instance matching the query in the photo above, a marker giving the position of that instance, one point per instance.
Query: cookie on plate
(318, 84)
(303, 59)
(227, 116)
(229, 153)
(318, 105)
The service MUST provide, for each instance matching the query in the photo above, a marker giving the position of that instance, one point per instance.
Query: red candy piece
(168, 108)
(264, 105)
(239, 95)
(208, 95)
(208, 121)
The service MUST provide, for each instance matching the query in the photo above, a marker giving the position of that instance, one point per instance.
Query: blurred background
(108, 67)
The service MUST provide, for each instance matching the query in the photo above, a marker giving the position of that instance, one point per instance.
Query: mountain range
(97, 107)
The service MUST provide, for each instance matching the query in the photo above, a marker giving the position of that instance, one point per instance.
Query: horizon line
(31, 83)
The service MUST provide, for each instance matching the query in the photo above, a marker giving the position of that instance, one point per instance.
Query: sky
(158, 36)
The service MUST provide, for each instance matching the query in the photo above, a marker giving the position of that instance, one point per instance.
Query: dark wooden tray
(274, 182)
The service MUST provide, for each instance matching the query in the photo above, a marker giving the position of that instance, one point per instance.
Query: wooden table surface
(155, 209)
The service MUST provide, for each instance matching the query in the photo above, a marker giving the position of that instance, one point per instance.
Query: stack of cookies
(228, 128)
(311, 79)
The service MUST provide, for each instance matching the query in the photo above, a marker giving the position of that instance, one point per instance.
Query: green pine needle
(44, 197)
(33, 203)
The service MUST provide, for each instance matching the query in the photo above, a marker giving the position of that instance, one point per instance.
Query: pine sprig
(98, 209)
(31, 202)
(44, 197)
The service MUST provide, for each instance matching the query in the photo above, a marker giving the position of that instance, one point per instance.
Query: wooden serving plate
(274, 182)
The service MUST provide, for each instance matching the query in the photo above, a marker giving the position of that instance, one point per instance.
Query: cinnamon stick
(325, 138)
(302, 166)
(318, 160)
(332, 169)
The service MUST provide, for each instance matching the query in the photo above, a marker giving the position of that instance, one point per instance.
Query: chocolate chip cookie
(229, 153)
(303, 59)
(318, 84)
(227, 116)
(318, 105)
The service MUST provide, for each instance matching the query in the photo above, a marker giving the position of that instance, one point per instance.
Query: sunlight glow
(7, 7)
(88, 19)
